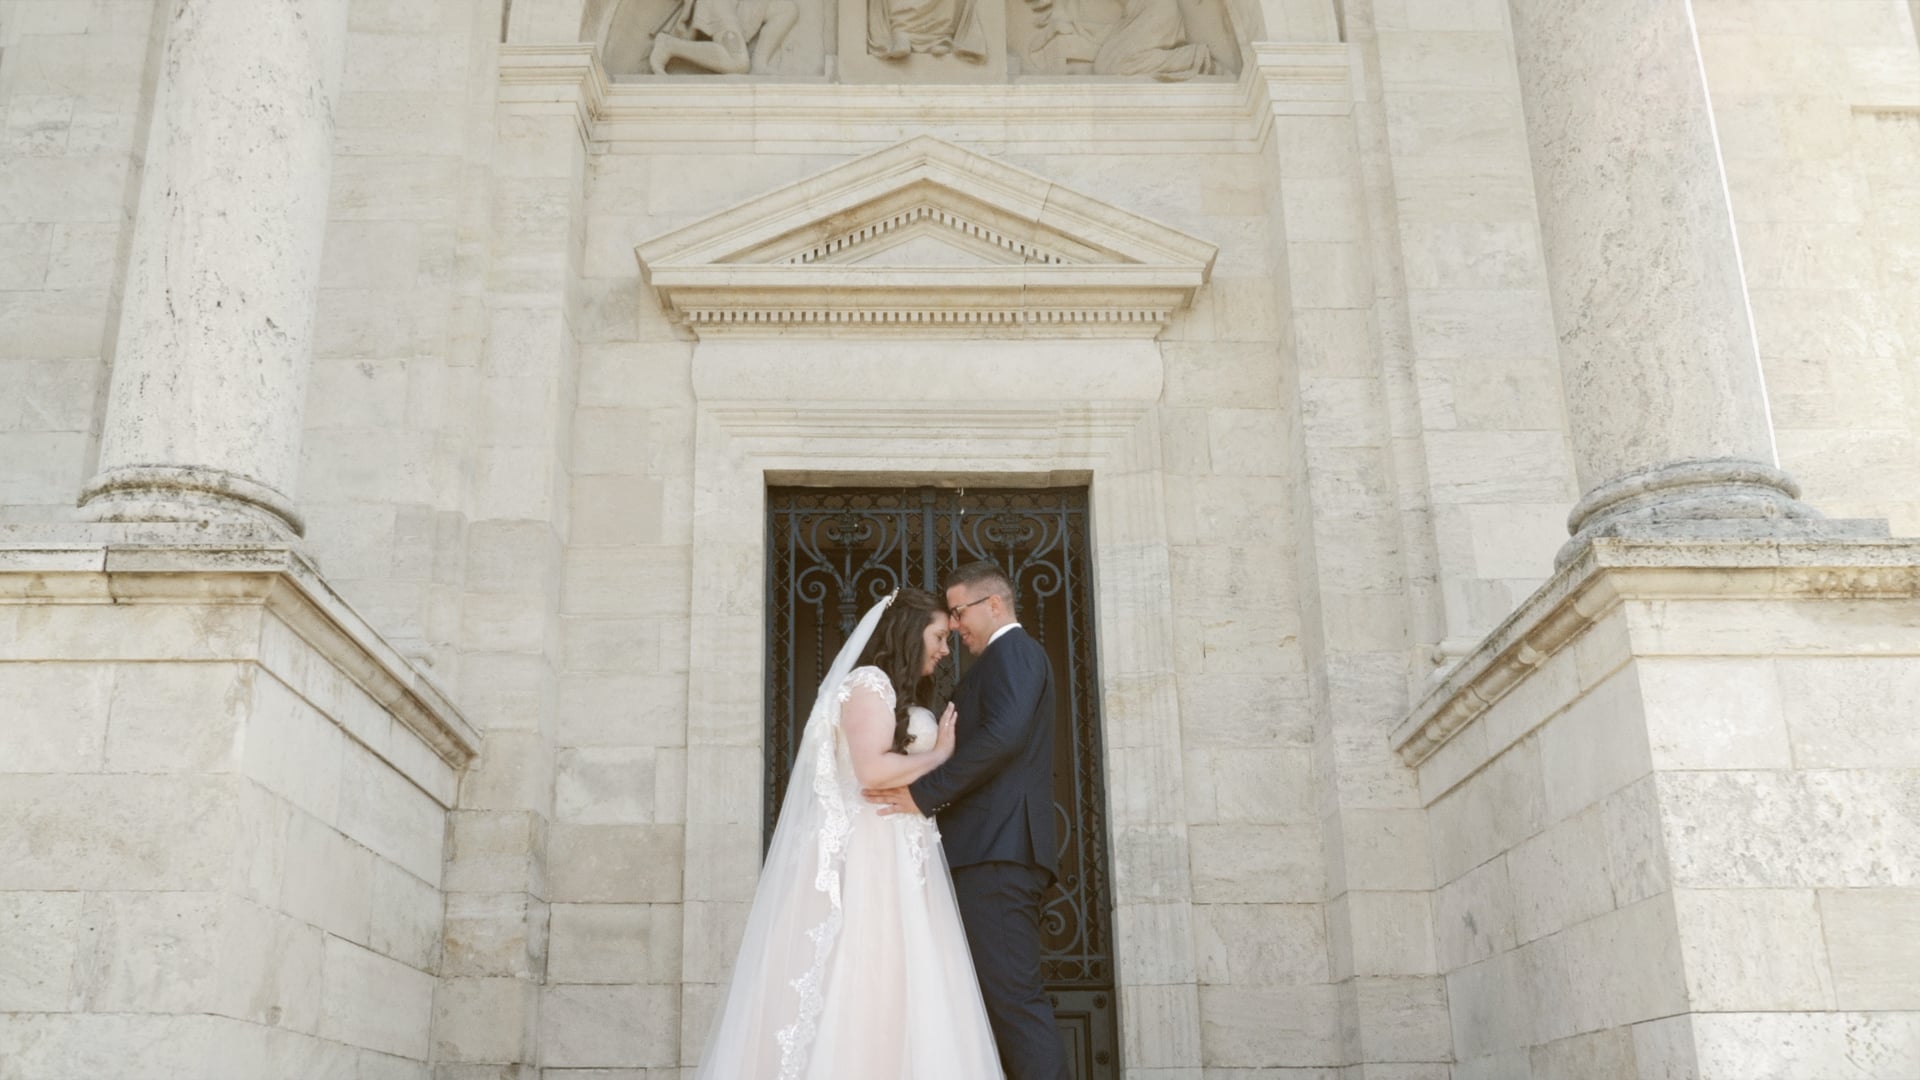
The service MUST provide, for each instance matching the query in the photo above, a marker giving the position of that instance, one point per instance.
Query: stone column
(1668, 412)
(204, 410)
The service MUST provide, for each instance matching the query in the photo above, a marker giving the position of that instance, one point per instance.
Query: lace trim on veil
(796, 1039)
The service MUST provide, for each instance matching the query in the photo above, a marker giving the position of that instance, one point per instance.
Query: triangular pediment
(931, 236)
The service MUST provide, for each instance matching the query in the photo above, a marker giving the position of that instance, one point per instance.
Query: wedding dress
(854, 965)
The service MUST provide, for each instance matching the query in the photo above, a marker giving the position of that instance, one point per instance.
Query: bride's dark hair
(898, 649)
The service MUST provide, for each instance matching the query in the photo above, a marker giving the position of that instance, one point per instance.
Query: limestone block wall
(1818, 111)
(1554, 918)
(1683, 842)
(1472, 316)
(222, 814)
(1362, 581)
(620, 848)
(394, 406)
(71, 91)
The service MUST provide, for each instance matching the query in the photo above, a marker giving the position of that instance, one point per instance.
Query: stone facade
(389, 391)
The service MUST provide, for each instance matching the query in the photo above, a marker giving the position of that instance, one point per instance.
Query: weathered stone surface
(57, 718)
(329, 880)
(1753, 950)
(38, 934)
(609, 1026)
(116, 832)
(615, 943)
(77, 1046)
(1847, 712)
(1247, 1026)
(484, 1020)
(1256, 863)
(1807, 829)
(209, 386)
(1866, 1045)
(615, 863)
(375, 1002)
(1714, 714)
(1870, 938)
(1560, 876)
(1473, 916)
(1334, 472)
(1255, 944)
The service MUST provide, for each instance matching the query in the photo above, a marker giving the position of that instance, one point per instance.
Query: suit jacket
(994, 797)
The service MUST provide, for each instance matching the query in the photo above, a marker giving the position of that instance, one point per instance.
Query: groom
(995, 803)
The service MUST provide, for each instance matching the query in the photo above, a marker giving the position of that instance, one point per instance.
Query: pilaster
(500, 881)
(1382, 1010)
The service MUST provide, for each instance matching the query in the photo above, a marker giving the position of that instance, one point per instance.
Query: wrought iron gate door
(833, 552)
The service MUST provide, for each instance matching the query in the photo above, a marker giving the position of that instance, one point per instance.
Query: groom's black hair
(984, 573)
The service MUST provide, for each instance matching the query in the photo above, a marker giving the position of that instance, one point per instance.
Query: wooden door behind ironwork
(834, 552)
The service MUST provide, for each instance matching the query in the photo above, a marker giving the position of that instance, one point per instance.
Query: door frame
(808, 416)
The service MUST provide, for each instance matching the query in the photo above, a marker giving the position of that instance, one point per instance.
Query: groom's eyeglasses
(954, 612)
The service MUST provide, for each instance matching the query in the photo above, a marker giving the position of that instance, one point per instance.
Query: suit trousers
(1000, 907)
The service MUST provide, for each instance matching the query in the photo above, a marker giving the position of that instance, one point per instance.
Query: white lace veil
(765, 1023)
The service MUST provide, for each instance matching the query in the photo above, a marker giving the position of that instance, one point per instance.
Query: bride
(854, 965)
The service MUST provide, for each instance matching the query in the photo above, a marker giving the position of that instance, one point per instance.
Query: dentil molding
(928, 238)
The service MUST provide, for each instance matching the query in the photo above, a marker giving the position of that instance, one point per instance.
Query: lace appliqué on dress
(922, 835)
(866, 678)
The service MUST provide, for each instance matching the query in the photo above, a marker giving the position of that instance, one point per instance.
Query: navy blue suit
(994, 799)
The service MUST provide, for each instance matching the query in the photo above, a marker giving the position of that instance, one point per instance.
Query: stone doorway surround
(873, 401)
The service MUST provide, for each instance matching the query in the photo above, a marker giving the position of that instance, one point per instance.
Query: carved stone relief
(918, 41)
(921, 41)
(1170, 40)
(715, 37)
(896, 28)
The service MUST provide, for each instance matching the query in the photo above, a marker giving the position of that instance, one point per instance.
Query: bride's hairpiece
(890, 596)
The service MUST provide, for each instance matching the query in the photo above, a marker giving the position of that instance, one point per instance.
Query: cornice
(152, 565)
(745, 270)
(540, 78)
(1615, 571)
(1282, 79)
(1095, 422)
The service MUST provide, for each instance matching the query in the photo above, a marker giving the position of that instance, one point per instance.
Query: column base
(1706, 499)
(186, 493)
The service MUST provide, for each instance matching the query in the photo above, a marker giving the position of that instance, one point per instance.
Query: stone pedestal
(204, 409)
(222, 806)
(1675, 814)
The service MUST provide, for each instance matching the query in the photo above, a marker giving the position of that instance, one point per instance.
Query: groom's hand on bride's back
(894, 800)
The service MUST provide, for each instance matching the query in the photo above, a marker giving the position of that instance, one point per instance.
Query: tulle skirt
(897, 995)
